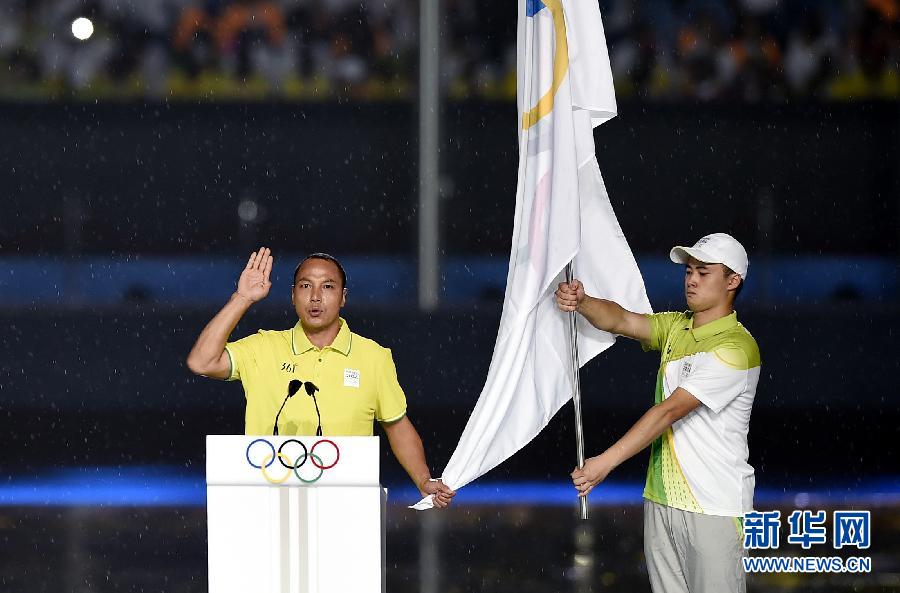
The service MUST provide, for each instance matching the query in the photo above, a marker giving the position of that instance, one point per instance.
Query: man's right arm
(208, 356)
(602, 314)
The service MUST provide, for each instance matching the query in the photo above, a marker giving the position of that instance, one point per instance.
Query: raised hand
(254, 282)
(569, 295)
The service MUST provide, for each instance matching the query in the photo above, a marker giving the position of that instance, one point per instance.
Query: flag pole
(576, 398)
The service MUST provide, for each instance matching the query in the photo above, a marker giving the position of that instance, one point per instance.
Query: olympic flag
(563, 214)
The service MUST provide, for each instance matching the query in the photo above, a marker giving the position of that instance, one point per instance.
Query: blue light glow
(153, 486)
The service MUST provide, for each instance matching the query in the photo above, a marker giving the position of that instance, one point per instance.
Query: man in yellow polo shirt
(348, 381)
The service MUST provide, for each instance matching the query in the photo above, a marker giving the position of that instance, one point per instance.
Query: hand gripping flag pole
(576, 396)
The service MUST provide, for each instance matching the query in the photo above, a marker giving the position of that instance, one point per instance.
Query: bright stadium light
(248, 211)
(82, 28)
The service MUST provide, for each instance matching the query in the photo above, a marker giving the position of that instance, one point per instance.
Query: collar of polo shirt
(300, 343)
(713, 327)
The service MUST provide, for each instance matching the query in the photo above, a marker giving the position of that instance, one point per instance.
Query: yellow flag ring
(560, 66)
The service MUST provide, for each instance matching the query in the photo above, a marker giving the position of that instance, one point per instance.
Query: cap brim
(681, 255)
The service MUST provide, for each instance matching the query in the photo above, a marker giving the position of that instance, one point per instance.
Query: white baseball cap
(718, 248)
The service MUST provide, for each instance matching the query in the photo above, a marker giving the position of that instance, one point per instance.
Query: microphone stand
(293, 387)
(319, 416)
(275, 430)
(311, 392)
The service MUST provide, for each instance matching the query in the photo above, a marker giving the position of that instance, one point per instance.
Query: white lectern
(294, 514)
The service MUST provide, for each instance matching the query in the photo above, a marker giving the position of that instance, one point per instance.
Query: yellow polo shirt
(356, 378)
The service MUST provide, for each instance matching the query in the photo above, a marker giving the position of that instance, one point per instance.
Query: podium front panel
(293, 535)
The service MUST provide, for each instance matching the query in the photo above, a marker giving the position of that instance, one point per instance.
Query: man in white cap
(699, 484)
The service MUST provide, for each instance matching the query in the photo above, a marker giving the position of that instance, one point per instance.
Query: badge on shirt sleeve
(351, 378)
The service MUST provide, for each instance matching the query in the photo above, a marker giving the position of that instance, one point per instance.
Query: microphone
(293, 387)
(311, 390)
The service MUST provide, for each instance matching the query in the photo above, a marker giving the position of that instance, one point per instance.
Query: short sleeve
(390, 402)
(660, 326)
(717, 377)
(243, 355)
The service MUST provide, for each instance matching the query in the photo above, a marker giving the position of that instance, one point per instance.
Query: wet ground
(473, 547)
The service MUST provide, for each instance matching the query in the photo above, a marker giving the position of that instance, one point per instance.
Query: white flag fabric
(563, 214)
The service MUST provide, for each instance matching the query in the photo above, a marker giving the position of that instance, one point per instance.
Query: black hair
(326, 257)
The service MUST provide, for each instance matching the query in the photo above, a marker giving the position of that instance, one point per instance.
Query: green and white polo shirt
(700, 463)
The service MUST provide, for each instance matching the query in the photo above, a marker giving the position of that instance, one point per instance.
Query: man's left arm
(652, 424)
(407, 447)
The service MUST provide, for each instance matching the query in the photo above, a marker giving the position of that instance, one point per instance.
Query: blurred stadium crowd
(747, 50)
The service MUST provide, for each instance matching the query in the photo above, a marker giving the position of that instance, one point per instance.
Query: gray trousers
(692, 553)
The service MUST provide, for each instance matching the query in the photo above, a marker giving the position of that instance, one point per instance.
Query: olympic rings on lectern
(305, 454)
(337, 454)
(269, 479)
(318, 465)
(271, 456)
(293, 466)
